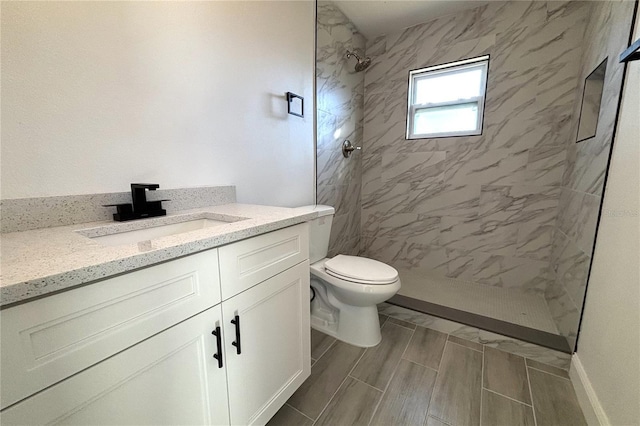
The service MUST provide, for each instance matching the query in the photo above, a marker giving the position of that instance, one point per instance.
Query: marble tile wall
(479, 208)
(340, 105)
(582, 187)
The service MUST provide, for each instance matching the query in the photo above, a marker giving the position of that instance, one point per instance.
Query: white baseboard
(589, 402)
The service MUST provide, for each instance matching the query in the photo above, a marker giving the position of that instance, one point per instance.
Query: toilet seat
(360, 270)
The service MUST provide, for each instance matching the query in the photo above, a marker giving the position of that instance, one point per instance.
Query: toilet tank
(319, 231)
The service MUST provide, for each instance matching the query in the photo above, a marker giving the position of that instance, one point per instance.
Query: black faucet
(140, 208)
(139, 197)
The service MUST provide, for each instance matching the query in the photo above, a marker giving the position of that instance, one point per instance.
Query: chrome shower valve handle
(348, 148)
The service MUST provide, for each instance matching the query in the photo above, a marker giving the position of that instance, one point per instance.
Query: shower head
(362, 64)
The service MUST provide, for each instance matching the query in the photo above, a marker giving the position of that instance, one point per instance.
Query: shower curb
(542, 338)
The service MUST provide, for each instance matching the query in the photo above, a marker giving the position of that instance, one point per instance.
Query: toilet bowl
(346, 289)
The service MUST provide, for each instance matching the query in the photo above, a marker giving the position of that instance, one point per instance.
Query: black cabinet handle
(236, 322)
(218, 355)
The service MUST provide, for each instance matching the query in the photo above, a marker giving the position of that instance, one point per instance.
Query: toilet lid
(360, 269)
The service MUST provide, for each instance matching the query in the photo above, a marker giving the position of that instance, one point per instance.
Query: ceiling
(374, 18)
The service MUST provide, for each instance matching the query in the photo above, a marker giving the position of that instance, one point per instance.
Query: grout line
(330, 399)
(365, 383)
(400, 325)
(375, 409)
(435, 383)
(438, 419)
(547, 372)
(466, 347)
(433, 391)
(342, 383)
(481, 385)
(395, 370)
(386, 317)
(426, 326)
(295, 409)
(417, 363)
(508, 397)
(413, 333)
(446, 339)
(535, 421)
(328, 347)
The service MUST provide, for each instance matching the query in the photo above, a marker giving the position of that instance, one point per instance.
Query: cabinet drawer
(47, 340)
(248, 262)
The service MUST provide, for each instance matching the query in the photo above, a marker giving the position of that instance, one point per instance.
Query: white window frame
(481, 62)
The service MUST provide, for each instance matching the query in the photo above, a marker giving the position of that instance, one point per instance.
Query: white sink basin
(138, 235)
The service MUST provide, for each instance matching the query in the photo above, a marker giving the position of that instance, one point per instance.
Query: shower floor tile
(504, 304)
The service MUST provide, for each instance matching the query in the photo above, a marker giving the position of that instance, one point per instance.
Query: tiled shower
(340, 108)
(507, 218)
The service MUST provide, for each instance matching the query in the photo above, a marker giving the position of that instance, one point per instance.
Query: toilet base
(358, 326)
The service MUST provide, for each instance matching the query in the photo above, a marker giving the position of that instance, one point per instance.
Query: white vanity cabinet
(169, 379)
(274, 355)
(265, 290)
(139, 348)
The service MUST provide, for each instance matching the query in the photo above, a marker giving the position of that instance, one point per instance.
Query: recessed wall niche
(591, 99)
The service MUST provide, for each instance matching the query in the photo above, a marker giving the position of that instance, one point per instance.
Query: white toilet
(346, 289)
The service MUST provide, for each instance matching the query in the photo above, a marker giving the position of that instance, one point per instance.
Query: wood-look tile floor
(418, 376)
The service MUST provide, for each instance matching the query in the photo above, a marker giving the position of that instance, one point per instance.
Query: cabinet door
(171, 378)
(274, 356)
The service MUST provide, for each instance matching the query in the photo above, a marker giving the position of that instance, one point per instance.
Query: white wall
(609, 342)
(96, 95)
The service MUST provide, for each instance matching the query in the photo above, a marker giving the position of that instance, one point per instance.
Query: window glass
(449, 86)
(447, 100)
(457, 118)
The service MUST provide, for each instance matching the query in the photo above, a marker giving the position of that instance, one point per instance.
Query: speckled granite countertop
(42, 261)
